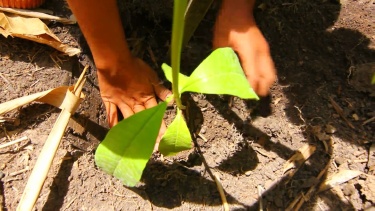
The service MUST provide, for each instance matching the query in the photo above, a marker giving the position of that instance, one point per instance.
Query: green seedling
(128, 146)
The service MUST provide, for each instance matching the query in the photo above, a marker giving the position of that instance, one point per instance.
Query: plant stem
(179, 9)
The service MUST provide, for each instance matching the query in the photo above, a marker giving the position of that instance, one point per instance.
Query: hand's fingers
(161, 91)
(250, 70)
(125, 110)
(263, 89)
(150, 103)
(265, 85)
(249, 66)
(254, 83)
(261, 73)
(111, 109)
(267, 77)
(138, 107)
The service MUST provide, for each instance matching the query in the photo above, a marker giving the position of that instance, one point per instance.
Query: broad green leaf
(219, 73)
(177, 137)
(128, 146)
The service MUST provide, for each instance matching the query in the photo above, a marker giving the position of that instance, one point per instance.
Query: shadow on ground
(313, 59)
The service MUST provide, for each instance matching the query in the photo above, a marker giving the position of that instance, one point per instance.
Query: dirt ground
(324, 52)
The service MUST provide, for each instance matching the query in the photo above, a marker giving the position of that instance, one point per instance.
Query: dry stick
(34, 14)
(312, 189)
(202, 137)
(298, 202)
(214, 177)
(339, 110)
(285, 179)
(294, 202)
(19, 172)
(6, 133)
(221, 192)
(369, 120)
(5, 79)
(44, 162)
(13, 142)
(70, 203)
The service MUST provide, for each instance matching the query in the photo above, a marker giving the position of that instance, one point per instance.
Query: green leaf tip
(128, 146)
(177, 137)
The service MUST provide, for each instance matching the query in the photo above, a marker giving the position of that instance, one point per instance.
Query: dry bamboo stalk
(260, 195)
(44, 162)
(2, 200)
(34, 14)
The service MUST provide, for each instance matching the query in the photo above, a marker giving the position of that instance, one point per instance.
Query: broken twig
(13, 142)
(307, 196)
(215, 176)
(202, 137)
(368, 121)
(19, 172)
(221, 192)
(340, 111)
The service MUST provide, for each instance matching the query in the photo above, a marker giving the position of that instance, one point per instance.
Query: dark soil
(324, 51)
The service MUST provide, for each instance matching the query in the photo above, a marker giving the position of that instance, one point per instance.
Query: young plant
(128, 146)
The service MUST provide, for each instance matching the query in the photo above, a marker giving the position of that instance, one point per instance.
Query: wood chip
(77, 127)
(338, 178)
(299, 157)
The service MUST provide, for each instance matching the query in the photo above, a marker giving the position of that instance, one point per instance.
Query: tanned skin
(129, 84)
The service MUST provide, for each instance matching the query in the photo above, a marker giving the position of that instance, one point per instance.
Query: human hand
(242, 34)
(126, 83)
(131, 87)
